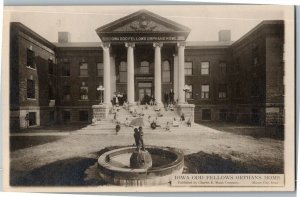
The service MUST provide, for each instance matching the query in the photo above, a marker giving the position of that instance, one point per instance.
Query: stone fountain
(155, 166)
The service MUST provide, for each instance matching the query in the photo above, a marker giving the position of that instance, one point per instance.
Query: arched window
(166, 71)
(123, 72)
(144, 67)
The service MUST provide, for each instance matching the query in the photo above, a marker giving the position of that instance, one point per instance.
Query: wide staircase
(149, 114)
(164, 118)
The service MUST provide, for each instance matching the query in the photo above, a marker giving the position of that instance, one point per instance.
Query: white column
(181, 75)
(113, 77)
(157, 71)
(175, 78)
(106, 73)
(130, 72)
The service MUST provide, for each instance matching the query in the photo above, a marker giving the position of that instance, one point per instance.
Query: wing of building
(142, 55)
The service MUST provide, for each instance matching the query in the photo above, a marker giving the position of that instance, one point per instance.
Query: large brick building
(239, 81)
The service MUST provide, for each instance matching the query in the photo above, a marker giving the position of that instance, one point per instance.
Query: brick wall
(262, 105)
(20, 73)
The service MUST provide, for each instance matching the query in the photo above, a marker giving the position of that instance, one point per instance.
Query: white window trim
(205, 68)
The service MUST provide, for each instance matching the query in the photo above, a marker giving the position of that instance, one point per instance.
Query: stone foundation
(187, 109)
(100, 112)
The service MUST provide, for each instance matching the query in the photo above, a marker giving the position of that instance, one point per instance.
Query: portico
(149, 54)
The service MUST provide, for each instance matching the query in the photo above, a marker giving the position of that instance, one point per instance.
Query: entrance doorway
(144, 92)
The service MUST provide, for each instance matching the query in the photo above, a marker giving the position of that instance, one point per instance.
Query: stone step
(129, 131)
(99, 122)
(103, 123)
(106, 120)
(147, 127)
(99, 128)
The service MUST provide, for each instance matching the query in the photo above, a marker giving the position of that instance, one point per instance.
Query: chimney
(224, 35)
(63, 37)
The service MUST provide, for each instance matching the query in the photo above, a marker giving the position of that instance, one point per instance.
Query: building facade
(239, 81)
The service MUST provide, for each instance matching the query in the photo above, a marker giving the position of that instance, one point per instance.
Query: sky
(204, 21)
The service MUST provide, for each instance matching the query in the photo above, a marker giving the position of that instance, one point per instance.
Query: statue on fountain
(138, 137)
(140, 158)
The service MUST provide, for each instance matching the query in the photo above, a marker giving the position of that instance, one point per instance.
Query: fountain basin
(114, 166)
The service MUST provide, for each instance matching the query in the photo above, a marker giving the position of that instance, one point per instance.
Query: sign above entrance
(141, 38)
(143, 26)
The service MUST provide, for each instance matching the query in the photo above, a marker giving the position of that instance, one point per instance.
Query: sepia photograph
(149, 98)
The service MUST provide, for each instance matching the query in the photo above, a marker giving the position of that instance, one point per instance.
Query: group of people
(154, 122)
(169, 98)
(174, 123)
(119, 99)
(148, 100)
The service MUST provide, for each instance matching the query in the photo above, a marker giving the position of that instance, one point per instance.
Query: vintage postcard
(149, 98)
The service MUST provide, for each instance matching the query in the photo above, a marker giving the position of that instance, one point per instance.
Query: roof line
(27, 30)
(187, 29)
(264, 22)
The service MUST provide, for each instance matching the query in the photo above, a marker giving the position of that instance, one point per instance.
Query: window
(66, 116)
(144, 85)
(50, 92)
(188, 68)
(223, 114)
(205, 91)
(222, 91)
(123, 72)
(99, 69)
(166, 72)
(84, 92)
(66, 69)
(67, 93)
(189, 94)
(144, 69)
(50, 67)
(83, 116)
(255, 56)
(99, 95)
(204, 68)
(30, 88)
(222, 66)
(206, 114)
(32, 118)
(30, 58)
(83, 69)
